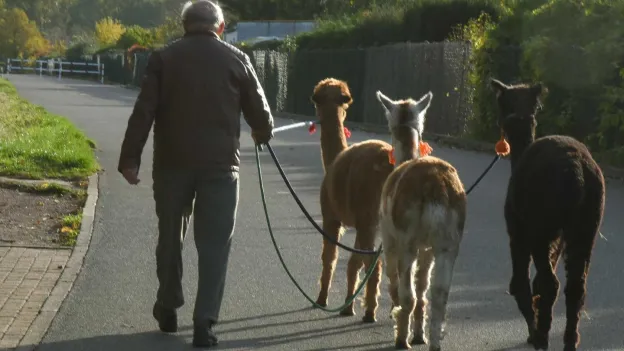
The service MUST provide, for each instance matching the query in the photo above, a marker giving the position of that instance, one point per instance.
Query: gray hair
(202, 13)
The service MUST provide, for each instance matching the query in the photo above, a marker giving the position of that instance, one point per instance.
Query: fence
(56, 67)
(123, 71)
(399, 70)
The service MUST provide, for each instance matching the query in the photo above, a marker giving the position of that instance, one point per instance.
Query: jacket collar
(200, 31)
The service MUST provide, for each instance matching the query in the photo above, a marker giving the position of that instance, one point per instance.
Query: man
(193, 91)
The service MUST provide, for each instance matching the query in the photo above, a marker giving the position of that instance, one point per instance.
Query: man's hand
(261, 137)
(131, 175)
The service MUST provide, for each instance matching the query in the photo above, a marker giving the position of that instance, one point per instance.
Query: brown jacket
(194, 91)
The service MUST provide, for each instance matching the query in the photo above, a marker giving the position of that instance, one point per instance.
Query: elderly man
(193, 91)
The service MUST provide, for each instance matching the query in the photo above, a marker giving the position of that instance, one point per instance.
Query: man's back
(197, 88)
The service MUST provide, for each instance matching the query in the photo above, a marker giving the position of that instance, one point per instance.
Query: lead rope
(349, 300)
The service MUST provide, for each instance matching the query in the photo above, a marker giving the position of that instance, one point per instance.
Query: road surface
(109, 307)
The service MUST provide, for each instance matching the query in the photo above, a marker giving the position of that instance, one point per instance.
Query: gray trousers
(213, 198)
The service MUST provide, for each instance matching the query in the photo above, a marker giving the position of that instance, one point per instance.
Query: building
(267, 30)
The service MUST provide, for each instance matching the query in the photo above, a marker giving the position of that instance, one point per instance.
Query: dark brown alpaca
(350, 193)
(555, 203)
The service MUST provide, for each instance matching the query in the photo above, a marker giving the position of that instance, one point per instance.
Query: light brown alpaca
(422, 215)
(350, 193)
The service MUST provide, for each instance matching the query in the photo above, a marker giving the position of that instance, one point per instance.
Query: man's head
(202, 15)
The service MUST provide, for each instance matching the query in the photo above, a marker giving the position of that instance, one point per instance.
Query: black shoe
(203, 336)
(167, 318)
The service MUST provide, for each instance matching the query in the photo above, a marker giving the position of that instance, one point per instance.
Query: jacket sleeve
(255, 106)
(143, 114)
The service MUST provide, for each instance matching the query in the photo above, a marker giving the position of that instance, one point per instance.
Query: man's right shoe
(204, 337)
(167, 318)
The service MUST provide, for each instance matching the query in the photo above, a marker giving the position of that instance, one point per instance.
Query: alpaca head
(518, 105)
(333, 95)
(406, 121)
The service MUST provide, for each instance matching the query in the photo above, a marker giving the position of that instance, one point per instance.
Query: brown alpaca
(422, 215)
(350, 193)
(554, 205)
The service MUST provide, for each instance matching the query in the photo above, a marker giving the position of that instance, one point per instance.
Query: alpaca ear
(539, 90)
(424, 103)
(498, 86)
(386, 102)
(419, 110)
(346, 99)
(314, 99)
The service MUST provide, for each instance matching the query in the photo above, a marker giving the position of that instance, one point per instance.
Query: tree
(108, 31)
(19, 36)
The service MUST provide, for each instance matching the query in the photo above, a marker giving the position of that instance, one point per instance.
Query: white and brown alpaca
(422, 215)
(350, 193)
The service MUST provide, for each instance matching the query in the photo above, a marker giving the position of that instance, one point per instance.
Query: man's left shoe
(167, 318)
(203, 336)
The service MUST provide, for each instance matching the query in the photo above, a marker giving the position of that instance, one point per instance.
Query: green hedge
(395, 22)
(574, 48)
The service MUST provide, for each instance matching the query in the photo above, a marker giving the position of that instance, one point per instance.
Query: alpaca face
(333, 94)
(517, 106)
(406, 121)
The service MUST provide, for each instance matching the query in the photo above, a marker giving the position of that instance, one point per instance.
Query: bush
(137, 35)
(399, 21)
(108, 31)
(574, 49)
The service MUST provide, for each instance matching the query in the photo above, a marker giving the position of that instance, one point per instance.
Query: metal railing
(56, 66)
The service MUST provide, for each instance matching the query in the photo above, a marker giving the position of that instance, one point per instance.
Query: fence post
(40, 67)
(102, 79)
(8, 66)
(134, 70)
(60, 68)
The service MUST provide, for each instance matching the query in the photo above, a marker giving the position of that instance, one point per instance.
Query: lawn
(37, 144)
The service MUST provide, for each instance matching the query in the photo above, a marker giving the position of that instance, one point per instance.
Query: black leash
(321, 231)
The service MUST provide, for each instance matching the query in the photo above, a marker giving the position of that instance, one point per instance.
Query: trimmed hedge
(405, 21)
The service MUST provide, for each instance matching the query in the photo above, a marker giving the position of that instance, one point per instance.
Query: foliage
(137, 35)
(108, 31)
(171, 29)
(574, 48)
(37, 144)
(395, 21)
(19, 36)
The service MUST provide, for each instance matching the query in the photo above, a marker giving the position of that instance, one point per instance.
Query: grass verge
(37, 144)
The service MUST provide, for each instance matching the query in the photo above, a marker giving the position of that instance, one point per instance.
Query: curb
(446, 140)
(42, 322)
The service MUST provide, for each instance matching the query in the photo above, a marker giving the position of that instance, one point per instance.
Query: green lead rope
(279, 255)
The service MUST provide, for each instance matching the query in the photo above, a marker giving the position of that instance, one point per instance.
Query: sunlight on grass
(35, 143)
(70, 228)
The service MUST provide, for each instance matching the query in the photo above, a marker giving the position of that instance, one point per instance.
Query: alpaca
(350, 193)
(554, 205)
(422, 216)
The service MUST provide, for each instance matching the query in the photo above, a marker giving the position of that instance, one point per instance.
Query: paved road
(109, 307)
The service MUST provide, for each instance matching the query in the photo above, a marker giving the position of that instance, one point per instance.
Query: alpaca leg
(329, 258)
(371, 297)
(520, 285)
(392, 272)
(423, 273)
(440, 289)
(353, 270)
(407, 302)
(577, 261)
(545, 291)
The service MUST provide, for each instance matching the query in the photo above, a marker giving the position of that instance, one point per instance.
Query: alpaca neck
(405, 153)
(518, 144)
(333, 139)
